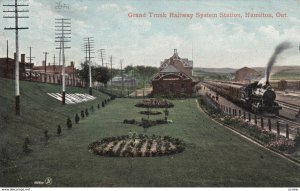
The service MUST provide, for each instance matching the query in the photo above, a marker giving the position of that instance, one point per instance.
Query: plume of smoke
(279, 49)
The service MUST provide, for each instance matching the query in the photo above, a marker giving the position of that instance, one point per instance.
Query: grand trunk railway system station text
(199, 15)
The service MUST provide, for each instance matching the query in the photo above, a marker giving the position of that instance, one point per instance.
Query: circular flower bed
(150, 112)
(155, 103)
(137, 146)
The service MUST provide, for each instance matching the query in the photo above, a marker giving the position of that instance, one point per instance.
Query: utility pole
(132, 77)
(89, 48)
(63, 28)
(45, 77)
(111, 74)
(102, 54)
(54, 63)
(54, 68)
(16, 16)
(121, 63)
(7, 72)
(30, 63)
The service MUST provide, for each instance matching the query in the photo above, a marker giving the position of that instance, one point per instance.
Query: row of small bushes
(155, 103)
(69, 124)
(145, 123)
(150, 112)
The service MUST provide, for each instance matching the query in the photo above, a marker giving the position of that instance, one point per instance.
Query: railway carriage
(256, 97)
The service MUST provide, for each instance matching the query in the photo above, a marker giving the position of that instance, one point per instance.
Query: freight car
(259, 98)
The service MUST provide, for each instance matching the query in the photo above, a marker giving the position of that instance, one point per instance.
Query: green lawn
(214, 156)
(39, 112)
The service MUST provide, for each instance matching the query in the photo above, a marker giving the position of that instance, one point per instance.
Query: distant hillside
(278, 73)
(216, 70)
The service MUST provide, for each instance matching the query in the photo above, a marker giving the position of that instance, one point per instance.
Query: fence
(272, 124)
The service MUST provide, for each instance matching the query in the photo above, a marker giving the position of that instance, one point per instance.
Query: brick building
(7, 67)
(174, 77)
(246, 75)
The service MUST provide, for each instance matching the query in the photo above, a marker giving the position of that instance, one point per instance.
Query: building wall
(172, 85)
(246, 74)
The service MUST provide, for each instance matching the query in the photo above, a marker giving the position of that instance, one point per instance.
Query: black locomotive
(259, 98)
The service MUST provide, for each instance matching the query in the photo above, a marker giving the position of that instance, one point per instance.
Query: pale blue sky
(216, 42)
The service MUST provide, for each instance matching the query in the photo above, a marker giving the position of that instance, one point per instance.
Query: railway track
(291, 123)
(290, 106)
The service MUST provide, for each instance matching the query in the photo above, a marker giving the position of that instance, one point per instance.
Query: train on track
(259, 98)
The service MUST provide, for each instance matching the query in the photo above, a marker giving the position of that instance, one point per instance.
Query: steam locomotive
(259, 98)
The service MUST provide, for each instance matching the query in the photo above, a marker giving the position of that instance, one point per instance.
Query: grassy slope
(287, 75)
(214, 156)
(39, 112)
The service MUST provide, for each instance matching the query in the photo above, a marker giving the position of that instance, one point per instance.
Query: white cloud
(269, 32)
(108, 7)
(79, 8)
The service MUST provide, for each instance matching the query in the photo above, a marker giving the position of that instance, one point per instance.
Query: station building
(174, 77)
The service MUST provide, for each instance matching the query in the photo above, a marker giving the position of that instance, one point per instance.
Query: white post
(63, 66)
(17, 85)
(90, 69)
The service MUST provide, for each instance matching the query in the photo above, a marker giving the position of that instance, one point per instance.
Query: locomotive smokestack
(279, 49)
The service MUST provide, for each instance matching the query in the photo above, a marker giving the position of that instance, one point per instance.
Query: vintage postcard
(150, 93)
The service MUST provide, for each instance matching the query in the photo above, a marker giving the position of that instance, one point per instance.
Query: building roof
(169, 69)
(185, 62)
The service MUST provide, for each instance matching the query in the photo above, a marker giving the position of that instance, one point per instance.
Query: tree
(102, 74)
(84, 73)
(99, 74)
(143, 73)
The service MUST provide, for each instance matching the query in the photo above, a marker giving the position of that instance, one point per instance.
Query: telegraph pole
(45, 77)
(54, 63)
(111, 74)
(16, 16)
(54, 68)
(121, 63)
(102, 54)
(6, 73)
(30, 63)
(63, 28)
(89, 48)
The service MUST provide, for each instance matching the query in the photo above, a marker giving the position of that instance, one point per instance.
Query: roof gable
(169, 69)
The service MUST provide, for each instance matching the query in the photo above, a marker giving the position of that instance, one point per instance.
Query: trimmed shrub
(127, 121)
(86, 112)
(77, 119)
(69, 123)
(46, 134)
(58, 129)
(82, 114)
(98, 106)
(26, 148)
(103, 105)
(92, 108)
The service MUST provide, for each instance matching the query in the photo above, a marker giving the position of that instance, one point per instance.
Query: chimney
(72, 64)
(22, 58)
